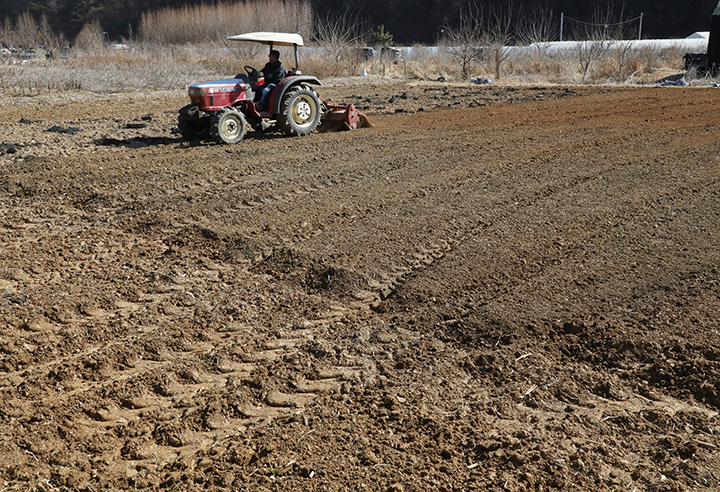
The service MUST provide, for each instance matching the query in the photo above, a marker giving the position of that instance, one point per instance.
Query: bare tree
(537, 30)
(50, 41)
(498, 37)
(587, 51)
(6, 33)
(622, 52)
(595, 39)
(338, 37)
(91, 38)
(26, 31)
(300, 18)
(466, 39)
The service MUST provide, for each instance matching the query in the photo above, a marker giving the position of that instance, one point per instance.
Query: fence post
(562, 18)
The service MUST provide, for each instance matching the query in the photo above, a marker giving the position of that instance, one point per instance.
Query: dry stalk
(306, 434)
(527, 393)
(705, 444)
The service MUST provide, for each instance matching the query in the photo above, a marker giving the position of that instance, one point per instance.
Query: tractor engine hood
(217, 94)
(215, 86)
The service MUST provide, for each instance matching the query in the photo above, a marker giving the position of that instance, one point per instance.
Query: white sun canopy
(271, 38)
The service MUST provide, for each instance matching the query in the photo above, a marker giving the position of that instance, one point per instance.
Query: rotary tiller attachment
(341, 118)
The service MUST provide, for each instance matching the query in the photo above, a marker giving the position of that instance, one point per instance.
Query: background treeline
(409, 21)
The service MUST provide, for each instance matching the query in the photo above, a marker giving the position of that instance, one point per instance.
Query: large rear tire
(300, 111)
(194, 129)
(229, 126)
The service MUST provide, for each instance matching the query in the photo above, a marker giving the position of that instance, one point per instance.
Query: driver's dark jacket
(273, 72)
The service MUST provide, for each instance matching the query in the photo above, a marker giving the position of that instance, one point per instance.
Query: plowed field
(494, 288)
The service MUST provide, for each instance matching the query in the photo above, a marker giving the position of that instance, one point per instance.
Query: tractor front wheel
(300, 111)
(194, 129)
(229, 126)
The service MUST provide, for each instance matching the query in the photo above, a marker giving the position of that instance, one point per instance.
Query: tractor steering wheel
(252, 73)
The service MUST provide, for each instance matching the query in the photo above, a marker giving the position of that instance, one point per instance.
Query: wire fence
(602, 28)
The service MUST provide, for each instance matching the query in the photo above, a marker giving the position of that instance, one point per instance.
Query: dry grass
(146, 65)
(111, 72)
(154, 67)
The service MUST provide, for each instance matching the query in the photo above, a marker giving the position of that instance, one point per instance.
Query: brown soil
(512, 289)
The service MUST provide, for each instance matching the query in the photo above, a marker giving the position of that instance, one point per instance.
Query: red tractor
(222, 109)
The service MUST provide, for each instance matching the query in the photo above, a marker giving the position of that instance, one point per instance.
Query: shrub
(90, 39)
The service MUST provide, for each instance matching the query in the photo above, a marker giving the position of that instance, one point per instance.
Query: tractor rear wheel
(194, 129)
(300, 111)
(229, 126)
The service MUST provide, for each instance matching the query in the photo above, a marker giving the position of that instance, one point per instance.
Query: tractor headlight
(196, 91)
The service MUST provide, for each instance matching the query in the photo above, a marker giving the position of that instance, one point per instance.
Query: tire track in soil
(406, 262)
(419, 257)
(391, 278)
(272, 404)
(542, 195)
(269, 404)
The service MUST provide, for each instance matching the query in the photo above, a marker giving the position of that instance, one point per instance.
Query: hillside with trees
(409, 22)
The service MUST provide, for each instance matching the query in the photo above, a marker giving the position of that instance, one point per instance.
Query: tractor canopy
(272, 39)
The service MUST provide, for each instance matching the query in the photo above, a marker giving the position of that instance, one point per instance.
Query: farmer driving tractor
(274, 72)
